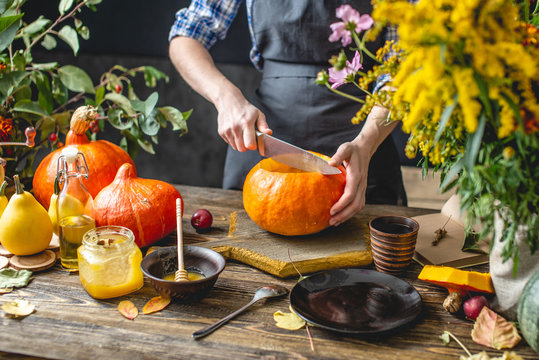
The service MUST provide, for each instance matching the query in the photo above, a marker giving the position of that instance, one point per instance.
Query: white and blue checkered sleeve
(205, 20)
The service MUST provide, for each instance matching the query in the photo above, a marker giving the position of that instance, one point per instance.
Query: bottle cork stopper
(70, 154)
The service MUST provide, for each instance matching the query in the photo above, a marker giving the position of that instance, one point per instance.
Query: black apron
(292, 37)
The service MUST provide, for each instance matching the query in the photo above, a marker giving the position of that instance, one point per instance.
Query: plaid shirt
(208, 21)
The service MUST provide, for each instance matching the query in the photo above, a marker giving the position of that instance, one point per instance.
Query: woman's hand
(355, 156)
(356, 161)
(237, 121)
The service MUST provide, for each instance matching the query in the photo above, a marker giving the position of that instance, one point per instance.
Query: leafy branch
(41, 95)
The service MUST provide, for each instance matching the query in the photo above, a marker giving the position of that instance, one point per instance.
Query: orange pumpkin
(103, 158)
(288, 201)
(146, 206)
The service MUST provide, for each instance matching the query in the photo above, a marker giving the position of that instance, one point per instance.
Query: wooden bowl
(393, 240)
(164, 261)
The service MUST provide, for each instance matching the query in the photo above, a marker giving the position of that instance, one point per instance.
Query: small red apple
(201, 220)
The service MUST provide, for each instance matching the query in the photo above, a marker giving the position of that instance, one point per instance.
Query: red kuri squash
(103, 158)
(146, 206)
(288, 201)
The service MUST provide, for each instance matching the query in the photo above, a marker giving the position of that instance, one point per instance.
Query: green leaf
(129, 143)
(84, 32)
(473, 143)
(46, 126)
(8, 29)
(22, 92)
(483, 94)
(59, 91)
(146, 107)
(19, 61)
(7, 21)
(36, 26)
(444, 119)
(64, 6)
(149, 125)
(49, 42)
(175, 117)
(152, 75)
(69, 35)
(117, 121)
(45, 98)
(10, 81)
(76, 79)
(146, 146)
(122, 102)
(455, 170)
(4, 5)
(31, 107)
(99, 95)
(10, 278)
(62, 119)
(45, 66)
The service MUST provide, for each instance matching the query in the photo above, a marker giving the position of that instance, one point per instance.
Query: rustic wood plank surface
(69, 324)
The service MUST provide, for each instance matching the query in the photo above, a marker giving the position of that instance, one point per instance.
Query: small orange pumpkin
(103, 158)
(146, 206)
(288, 201)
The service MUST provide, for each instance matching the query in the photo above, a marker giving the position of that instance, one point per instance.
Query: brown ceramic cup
(393, 241)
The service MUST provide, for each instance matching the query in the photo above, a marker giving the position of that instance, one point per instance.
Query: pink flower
(347, 73)
(351, 20)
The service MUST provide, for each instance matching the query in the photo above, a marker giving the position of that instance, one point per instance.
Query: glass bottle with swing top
(75, 205)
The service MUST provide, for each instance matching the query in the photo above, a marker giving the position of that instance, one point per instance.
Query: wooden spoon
(181, 273)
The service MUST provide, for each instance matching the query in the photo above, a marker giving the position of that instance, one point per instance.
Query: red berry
(118, 89)
(53, 137)
(202, 220)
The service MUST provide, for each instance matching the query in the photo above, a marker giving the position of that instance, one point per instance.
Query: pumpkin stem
(3, 188)
(80, 120)
(18, 186)
(126, 171)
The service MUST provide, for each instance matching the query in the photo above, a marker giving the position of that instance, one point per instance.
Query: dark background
(135, 33)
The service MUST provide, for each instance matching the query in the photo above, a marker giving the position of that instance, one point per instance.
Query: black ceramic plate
(356, 301)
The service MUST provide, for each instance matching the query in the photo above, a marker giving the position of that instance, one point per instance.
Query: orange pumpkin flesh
(146, 206)
(103, 159)
(288, 201)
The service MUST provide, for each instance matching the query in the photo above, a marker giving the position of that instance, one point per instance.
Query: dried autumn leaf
(155, 304)
(492, 330)
(484, 356)
(128, 309)
(18, 308)
(288, 321)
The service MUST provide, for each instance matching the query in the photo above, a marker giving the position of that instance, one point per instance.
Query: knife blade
(291, 155)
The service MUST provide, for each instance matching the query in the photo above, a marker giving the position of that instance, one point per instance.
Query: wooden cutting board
(345, 246)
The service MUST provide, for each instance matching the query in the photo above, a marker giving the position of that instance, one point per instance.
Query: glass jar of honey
(109, 262)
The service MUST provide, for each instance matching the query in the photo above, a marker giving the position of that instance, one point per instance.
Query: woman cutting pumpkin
(290, 46)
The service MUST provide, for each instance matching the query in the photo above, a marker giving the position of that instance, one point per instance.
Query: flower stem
(348, 96)
(361, 45)
(458, 342)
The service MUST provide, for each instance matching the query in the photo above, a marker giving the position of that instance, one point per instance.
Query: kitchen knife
(293, 156)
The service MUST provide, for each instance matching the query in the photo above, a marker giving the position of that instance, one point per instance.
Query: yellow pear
(25, 226)
(3, 198)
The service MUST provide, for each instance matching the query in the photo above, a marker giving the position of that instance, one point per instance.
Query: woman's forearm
(197, 68)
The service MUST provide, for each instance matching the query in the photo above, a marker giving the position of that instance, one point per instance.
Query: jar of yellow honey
(109, 262)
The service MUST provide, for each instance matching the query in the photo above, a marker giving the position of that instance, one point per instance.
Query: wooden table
(69, 324)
